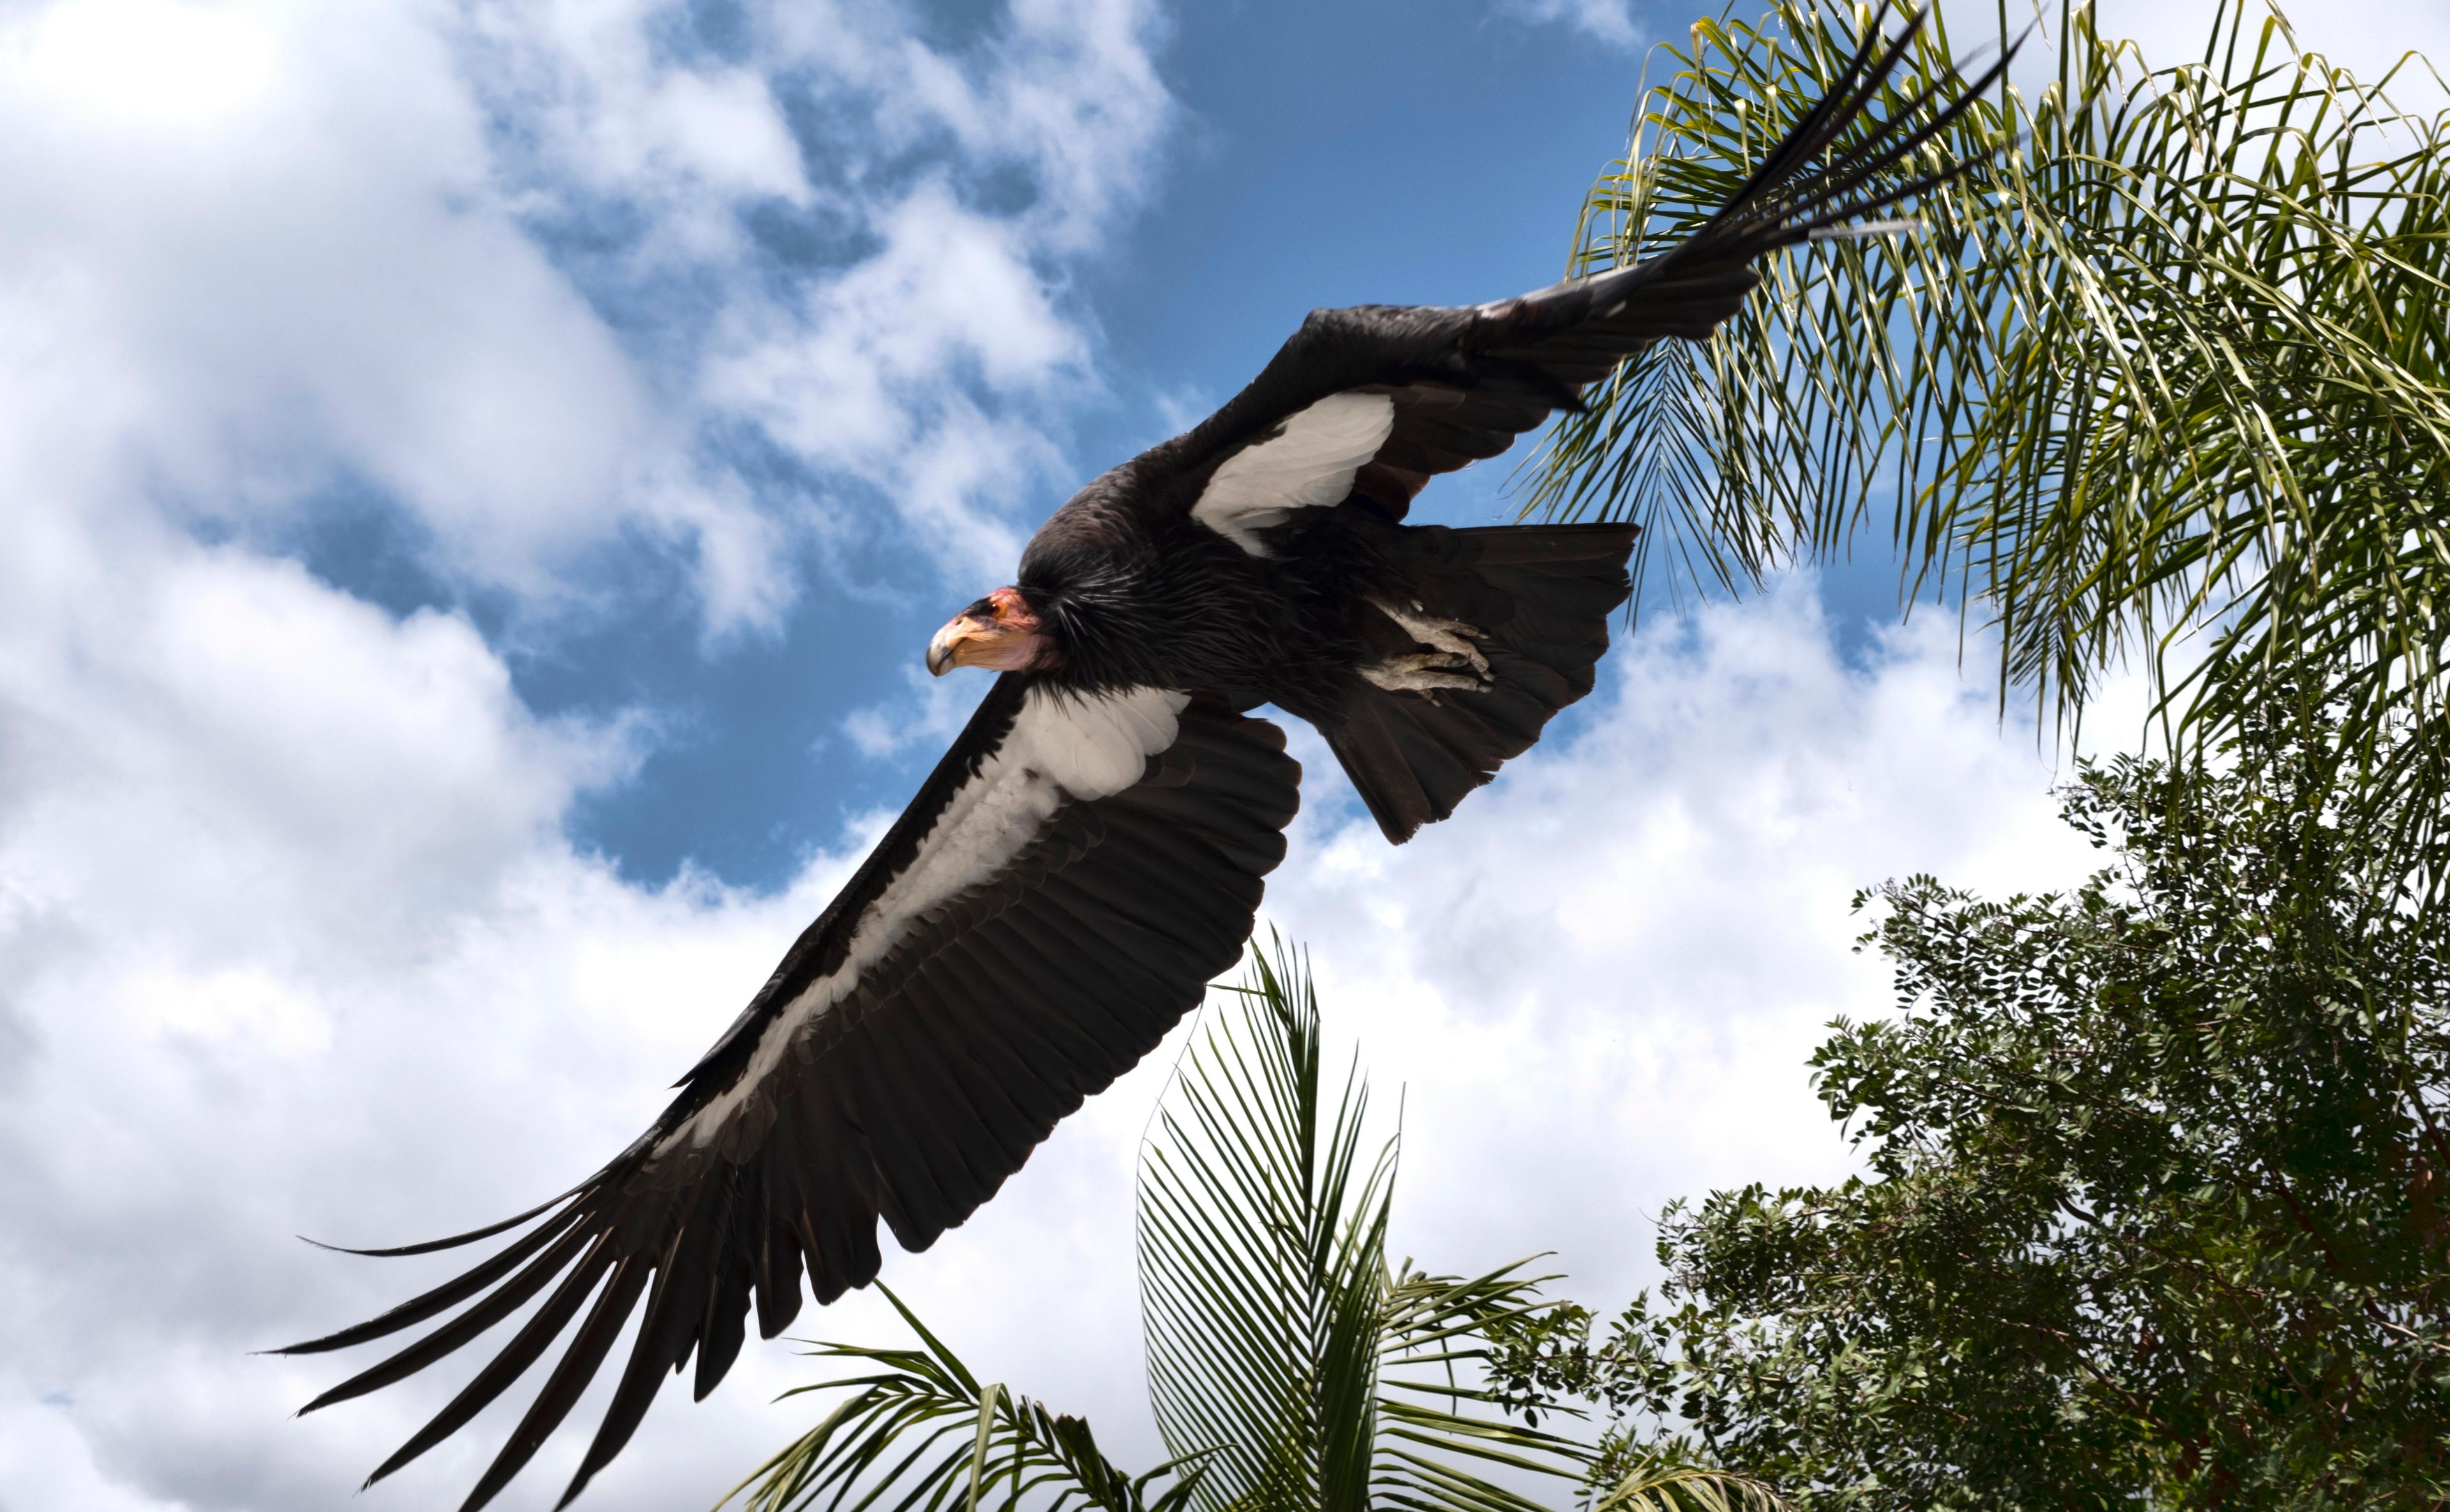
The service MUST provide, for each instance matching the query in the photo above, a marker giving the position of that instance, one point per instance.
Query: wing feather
(1305, 461)
(443, 1298)
(497, 1305)
(1461, 384)
(727, 1312)
(1057, 1026)
(524, 1349)
(1056, 897)
(578, 1366)
(660, 1332)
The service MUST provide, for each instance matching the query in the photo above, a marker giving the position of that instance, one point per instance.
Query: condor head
(1000, 632)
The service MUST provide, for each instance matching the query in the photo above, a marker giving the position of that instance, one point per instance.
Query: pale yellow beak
(965, 641)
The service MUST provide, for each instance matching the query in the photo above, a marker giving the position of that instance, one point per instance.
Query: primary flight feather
(1090, 852)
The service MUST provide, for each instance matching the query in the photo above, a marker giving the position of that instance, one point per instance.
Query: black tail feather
(1541, 596)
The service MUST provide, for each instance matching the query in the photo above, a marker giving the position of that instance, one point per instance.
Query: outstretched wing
(1071, 875)
(1365, 404)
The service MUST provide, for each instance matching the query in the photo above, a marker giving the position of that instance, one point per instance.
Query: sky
(479, 480)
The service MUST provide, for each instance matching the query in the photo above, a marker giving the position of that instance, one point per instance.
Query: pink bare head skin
(999, 631)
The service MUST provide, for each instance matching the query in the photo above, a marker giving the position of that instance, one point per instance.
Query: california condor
(1089, 853)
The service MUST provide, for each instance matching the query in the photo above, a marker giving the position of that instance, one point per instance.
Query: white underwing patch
(1307, 464)
(1062, 747)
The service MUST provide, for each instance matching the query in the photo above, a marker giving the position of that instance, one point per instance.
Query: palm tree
(1290, 1366)
(2165, 376)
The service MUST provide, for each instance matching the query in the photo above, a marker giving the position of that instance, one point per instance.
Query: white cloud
(290, 267)
(928, 714)
(290, 943)
(1608, 21)
(2369, 37)
(495, 264)
(925, 368)
(854, 377)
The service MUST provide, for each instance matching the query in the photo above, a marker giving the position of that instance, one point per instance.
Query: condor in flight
(1089, 851)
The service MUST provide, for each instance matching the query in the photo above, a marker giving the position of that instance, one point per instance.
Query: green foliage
(1261, 1236)
(2172, 355)
(1279, 1337)
(918, 1433)
(1290, 1366)
(2157, 1212)
(1673, 1486)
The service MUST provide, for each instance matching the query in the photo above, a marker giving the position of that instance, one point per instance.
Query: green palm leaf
(1279, 1336)
(2164, 380)
(918, 1433)
(1667, 1486)
(1262, 1235)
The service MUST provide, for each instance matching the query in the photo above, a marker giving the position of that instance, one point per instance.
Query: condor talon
(1452, 636)
(1430, 673)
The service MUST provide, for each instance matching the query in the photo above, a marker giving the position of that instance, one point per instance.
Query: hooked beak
(944, 651)
(973, 640)
(1000, 632)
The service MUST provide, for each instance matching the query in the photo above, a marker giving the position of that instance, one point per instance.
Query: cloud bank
(546, 282)
(291, 939)
(293, 945)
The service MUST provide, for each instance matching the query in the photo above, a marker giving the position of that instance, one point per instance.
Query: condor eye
(984, 609)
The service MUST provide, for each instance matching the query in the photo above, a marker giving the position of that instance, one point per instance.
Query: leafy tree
(1291, 1367)
(2157, 1211)
(2168, 364)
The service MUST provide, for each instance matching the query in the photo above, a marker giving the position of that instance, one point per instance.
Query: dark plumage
(1091, 850)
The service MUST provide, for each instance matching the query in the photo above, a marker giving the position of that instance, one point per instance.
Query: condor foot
(1430, 675)
(1457, 641)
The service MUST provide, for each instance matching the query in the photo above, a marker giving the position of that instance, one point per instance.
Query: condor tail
(1533, 602)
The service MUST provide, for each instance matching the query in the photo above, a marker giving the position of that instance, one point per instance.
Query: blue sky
(1279, 178)
(1283, 180)
(479, 474)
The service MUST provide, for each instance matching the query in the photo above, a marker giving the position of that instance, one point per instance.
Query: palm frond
(1670, 1486)
(918, 1433)
(2164, 380)
(1441, 1430)
(1263, 1228)
(1280, 1340)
